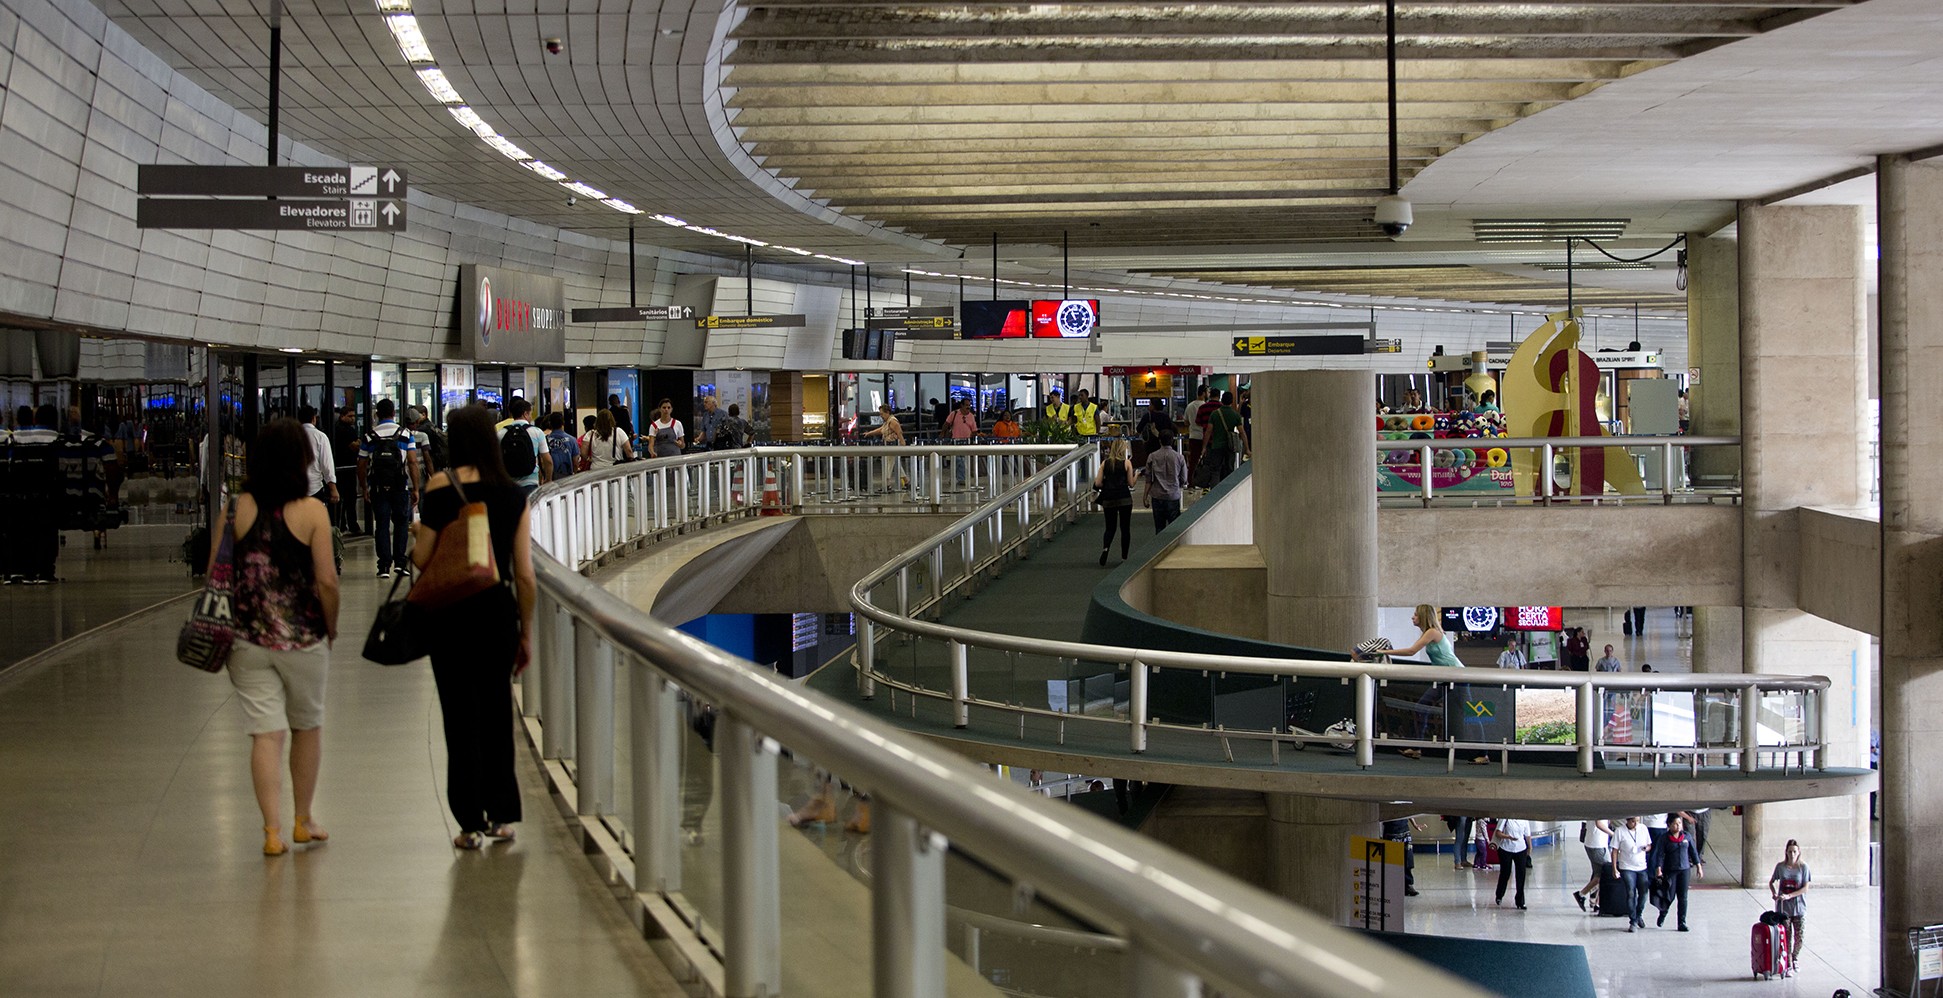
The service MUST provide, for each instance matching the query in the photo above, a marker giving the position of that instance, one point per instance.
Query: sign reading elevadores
(343, 214)
(271, 181)
(641, 313)
(752, 321)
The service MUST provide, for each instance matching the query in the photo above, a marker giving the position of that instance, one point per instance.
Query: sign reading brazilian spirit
(752, 321)
(1296, 346)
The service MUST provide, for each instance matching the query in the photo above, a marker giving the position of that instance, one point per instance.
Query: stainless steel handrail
(1548, 448)
(1365, 677)
(1186, 922)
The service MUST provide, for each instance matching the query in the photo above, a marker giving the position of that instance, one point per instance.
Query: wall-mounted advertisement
(511, 317)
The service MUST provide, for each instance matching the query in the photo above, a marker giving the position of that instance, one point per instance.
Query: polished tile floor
(1713, 959)
(130, 853)
(140, 566)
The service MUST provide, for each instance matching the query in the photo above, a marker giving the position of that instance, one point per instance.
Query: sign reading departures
(1296, 346)
(751, 321)
(344, 198)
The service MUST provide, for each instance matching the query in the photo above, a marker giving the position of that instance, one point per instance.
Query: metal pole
(530, 692)
(556, 730)
(748, 279)
(1666, 471)
(1390, 27)
(1588, 726)
(1365, 721)
(276, 85)
(1750, 728)
(631, 265)
(1137, 705)
(960, 685)
(655, 738)
(866, 658)
(594, 720)
(1821, 727)
(752, 889)
(907, 907)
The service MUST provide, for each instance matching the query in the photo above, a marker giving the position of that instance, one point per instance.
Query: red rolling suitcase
(1770, 949)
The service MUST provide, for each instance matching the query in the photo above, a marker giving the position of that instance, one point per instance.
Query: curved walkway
(130, 853)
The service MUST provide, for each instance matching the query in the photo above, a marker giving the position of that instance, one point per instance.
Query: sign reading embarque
(511, 316)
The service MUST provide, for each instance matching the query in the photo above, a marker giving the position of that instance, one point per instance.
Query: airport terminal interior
(1055, 500)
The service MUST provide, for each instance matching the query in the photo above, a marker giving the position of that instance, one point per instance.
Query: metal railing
(1668, 459)
(613, 691)
(1400, 706)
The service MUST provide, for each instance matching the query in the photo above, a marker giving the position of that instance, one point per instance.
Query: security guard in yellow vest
(1058, 411)
(1086, 414)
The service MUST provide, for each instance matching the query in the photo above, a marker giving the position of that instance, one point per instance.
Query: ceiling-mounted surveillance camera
(555, 46)
(1393, 216)
(571, 200)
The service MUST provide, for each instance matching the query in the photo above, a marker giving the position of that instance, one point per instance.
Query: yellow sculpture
(1551, 389)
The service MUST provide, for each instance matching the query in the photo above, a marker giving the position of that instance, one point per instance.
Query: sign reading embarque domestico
(511, 316)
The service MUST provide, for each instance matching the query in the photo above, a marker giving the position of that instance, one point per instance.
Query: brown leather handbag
(462, 562)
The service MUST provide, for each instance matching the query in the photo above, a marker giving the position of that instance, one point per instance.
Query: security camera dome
(1393, 216)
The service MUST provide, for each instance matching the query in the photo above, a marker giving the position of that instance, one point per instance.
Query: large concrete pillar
(1909, 201)
(1315, 504)
(1714, 353)
(1308, 846)
(1804, 398)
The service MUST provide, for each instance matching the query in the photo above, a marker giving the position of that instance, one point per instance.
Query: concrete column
(1804, 398)
(1714, 352)
(1315, 509)
(1909, 202)
(1308, 844)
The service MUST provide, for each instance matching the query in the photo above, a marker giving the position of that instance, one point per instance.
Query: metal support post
(530, 685)
(1365, 721)
(934, 464)
(938, 576)
(1423, 469)
(594, 720)
(1750, 728)
(1543, 483)
(795, 484)
(556, 731)
(751, 881)
(1821, 727)
(904, 591)
(1137, 705)
(960, 685)
(866, 658)
(660, 485)
(907, 907)
(1588, 726)
(655, 740)
(1666, 471)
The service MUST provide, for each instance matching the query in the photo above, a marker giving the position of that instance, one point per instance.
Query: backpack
(563, 449)
(516, 449)
(435, 446)
(387, 461)
(728, 434)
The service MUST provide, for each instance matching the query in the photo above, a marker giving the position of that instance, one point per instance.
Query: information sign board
(1374, 884)
(643, 313)
(344, 214)
(271, 181)
(1296, 346)
(752, 321)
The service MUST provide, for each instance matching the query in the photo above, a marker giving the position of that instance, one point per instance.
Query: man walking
(521, 445)
(1512, 657)
(1632, 844)
(1607, 663)
(344, 446)
(387, 477)
(323, 470)
(707, 425)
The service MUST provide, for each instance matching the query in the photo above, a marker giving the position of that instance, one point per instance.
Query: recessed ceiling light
(506, 147)
(585, 191)
(291, 349)
(394, 6)
(469, 118)
(440, 88)
(619, 205)
(411, 41)
(544, 170)
(669, 220)
(1597, 265)
(1544, 230)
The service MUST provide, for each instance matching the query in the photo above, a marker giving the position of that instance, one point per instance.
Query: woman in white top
(665, 434)
(604, 445)
(1514, 857)
(1598, 850)
(1631, 844)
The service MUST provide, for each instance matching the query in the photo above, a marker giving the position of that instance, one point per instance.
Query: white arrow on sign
(391, 179)
(390, 211)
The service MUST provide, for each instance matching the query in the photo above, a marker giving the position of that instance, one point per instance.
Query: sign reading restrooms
(509, 316)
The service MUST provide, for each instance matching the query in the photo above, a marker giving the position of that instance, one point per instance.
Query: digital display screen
(1001, 318)
(802, 631)
(1070, 319)
(1534, 618)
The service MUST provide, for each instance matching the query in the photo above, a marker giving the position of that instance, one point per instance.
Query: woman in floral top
(285, 600)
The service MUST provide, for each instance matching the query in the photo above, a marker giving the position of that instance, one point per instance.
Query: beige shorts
(280, 689)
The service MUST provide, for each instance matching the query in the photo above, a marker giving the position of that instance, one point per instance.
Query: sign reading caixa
(511, 316)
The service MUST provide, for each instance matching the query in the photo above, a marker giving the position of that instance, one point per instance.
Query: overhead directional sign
(904, 322)
(912, 312)
(342, 214)
(751, 321)
(633, 314)
(272, 181)
(1296, 346)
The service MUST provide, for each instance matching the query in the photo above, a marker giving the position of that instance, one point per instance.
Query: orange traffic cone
(772, 494)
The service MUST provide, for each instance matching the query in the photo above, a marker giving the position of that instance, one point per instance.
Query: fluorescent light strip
(670, 220)
(544, 170)
(585, 191)
(438, 86)
(619, 205)
(506, 147)
(411, 41)
(395, 6)
(469, 118)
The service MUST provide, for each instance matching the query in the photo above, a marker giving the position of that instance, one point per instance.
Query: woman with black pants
(481, 642)
(1674, 859)
(1115, 482)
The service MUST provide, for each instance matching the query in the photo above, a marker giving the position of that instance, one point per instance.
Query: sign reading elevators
(1374, 883)
(271, 181)
(344, 214)
(752, 321)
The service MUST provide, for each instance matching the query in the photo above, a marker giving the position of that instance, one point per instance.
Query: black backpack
(728, 434)
(516, 449)
(435, 445)
(386, 469)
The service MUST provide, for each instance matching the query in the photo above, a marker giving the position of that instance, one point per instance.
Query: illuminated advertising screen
(1001, 318)
(1070, 319)
(1534, 618)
